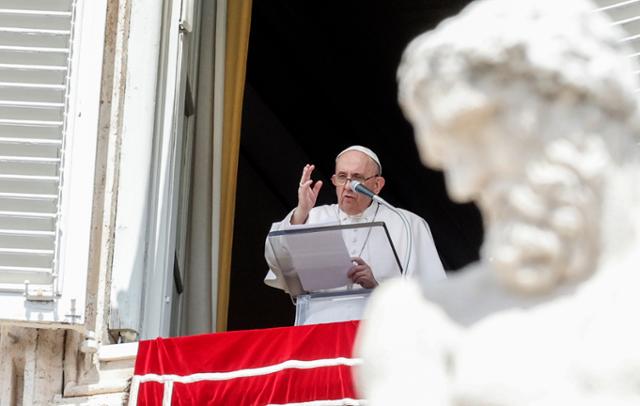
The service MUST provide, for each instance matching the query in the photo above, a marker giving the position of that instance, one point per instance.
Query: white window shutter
(40, 75)
(34, 50)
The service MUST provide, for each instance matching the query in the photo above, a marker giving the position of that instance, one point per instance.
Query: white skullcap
(365, 151)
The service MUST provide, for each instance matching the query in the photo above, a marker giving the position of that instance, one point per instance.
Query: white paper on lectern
(321, 259)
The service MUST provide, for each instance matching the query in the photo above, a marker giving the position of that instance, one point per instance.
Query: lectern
(313, 262)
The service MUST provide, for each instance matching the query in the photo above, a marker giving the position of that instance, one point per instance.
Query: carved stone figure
(529, 108)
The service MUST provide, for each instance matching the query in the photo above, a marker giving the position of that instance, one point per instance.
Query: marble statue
(530, 109)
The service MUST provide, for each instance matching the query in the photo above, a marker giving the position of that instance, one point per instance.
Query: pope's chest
(356, 239)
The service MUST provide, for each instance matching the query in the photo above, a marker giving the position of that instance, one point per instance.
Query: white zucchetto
(365, 151)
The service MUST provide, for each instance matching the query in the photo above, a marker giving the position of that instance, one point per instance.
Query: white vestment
(424, 260)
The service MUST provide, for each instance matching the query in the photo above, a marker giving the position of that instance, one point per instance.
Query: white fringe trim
(241, 373)
(169, 379)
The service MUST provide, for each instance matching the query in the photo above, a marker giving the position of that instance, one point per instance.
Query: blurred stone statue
(529, 107)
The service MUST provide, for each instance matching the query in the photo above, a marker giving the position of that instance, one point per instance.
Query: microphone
(362, 189)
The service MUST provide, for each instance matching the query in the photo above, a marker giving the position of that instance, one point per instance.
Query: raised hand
(307, 195)
(361, 274)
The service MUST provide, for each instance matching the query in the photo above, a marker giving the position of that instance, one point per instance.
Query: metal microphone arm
(360, 188)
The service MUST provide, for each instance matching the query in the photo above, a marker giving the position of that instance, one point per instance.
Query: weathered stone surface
(31, 361)
(530, 109)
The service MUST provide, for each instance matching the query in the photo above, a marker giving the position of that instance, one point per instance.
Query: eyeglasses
(340, 179)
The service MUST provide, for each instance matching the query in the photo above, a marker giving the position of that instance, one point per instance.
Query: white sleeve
(274, 277)
(425, 262)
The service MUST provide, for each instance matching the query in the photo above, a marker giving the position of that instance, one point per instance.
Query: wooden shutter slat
(34, 55)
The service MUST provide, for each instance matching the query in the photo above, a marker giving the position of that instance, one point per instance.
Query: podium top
(316, 258)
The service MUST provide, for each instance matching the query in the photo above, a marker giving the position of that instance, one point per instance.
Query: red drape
(254, 367)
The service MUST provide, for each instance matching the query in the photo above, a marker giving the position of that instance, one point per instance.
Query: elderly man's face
(461, 156)
(355, 164)
(533, 208)
(475, 153)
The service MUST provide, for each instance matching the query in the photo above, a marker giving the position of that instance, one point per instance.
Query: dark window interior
(320, 77)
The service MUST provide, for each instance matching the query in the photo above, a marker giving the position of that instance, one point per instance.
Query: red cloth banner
(277, 366)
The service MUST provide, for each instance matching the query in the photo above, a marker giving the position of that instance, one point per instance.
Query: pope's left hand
(361, 274)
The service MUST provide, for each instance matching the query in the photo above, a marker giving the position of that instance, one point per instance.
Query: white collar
(368, 215)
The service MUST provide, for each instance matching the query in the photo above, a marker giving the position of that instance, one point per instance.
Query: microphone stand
(360, 188)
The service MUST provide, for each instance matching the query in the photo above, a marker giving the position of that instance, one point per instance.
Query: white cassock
(424, 261)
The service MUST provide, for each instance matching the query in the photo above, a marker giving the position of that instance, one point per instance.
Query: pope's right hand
(307, 195)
